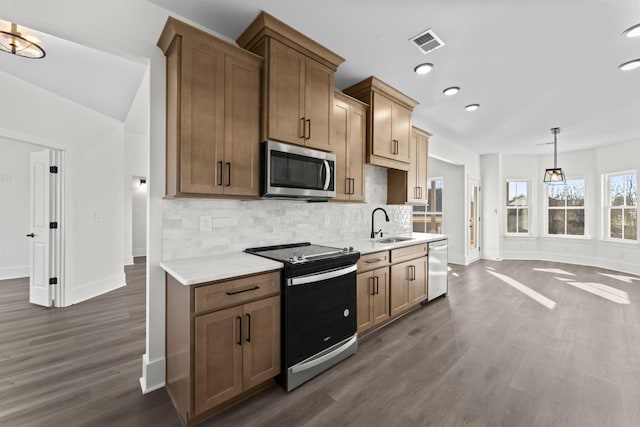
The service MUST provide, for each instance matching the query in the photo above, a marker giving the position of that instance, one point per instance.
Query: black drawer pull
(243, 290)
(371, 261)
(248, 327)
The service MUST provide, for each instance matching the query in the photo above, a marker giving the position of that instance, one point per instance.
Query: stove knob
(351, 249)
(345, 250)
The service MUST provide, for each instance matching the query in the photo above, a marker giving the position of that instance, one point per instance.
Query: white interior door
(40, 292)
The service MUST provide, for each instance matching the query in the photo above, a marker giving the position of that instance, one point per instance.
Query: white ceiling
(98, 80)
(531, 65)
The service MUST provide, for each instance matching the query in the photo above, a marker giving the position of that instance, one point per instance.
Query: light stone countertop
(192, 271)
(369, 246)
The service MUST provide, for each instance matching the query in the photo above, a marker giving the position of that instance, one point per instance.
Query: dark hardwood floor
(493, 353)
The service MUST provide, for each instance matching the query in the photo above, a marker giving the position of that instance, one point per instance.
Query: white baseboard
(153, 374)
(139, 252)
(14, 272)
(93, 289)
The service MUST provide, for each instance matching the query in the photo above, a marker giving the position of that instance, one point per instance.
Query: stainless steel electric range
(318, 308)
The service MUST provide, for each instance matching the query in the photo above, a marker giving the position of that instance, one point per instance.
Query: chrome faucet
(386, 217)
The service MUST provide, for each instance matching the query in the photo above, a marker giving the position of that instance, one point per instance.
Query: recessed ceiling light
(423, 68)
(472, 107)
(632, 31)
(451, 90)
(630, 65)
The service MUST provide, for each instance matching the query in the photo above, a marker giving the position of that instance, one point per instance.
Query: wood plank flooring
(487, 355)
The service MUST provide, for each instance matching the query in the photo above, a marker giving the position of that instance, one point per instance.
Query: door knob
(31, 235)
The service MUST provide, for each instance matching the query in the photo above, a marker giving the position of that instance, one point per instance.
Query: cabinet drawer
(373, 261)
(408, 252)
(233, 292)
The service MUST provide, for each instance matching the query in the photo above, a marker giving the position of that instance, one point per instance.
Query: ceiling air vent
(426, 41)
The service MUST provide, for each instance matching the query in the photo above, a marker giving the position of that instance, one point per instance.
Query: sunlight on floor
(537, 297)
(626, 279)
(554, 271)
(603, 291)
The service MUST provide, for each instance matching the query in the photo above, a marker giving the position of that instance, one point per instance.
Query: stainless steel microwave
(292, 172)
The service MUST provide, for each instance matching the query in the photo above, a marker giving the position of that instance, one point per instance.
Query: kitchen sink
(394, 239)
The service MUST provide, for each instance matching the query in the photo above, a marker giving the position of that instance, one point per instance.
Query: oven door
(320, 312)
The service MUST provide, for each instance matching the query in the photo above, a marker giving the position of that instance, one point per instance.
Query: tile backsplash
(236, 225)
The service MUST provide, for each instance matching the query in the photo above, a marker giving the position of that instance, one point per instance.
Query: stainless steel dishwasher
(438, 269)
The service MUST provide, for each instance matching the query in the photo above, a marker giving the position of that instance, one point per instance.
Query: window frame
(584, 207)
(606, 209)
(435, 214)
(507, 207)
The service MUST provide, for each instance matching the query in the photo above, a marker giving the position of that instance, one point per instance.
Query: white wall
(453, 206)
(492, 196)
(589, 250)
(14, 214)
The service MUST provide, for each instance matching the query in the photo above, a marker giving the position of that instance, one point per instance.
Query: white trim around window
(517, 208)
(566, 208)
(625, 206)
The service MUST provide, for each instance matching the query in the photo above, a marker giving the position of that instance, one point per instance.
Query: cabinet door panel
(399, 293)
(242, 121)
(340, 144)
(401, 122)
(261, 341)
(218, 358)
(382, 143)
(413, 194)
(380, 309)
(202, 107)
(357, 149)
(286, 94)
(365, 291)
(418, 287)
(422, 154)
(318, 105)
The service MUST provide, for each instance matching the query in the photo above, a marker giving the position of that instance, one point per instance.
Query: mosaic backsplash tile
(236, 224)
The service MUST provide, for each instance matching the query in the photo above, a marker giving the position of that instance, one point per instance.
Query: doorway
(474, 219)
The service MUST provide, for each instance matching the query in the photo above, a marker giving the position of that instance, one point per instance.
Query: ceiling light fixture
(472, 107)
(423, 68)
(632, 31)
(630, 65)
(555, 174)
(451, 90)
(17, 44)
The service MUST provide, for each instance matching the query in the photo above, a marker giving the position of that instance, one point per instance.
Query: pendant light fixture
(555, 174)
(17, 44)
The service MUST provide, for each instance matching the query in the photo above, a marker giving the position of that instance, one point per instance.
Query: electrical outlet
(206, 223)
(97, 217)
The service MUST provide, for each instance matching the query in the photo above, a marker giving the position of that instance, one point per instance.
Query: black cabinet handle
(219, 173)
(303, 129)
(228, 174)
(248, 327)
(239, 319)
(31, 235)
(309, 129)
(243, 290)
(377, 283)
(372, 282)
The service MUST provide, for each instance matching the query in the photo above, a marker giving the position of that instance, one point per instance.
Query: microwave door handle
(327, 176)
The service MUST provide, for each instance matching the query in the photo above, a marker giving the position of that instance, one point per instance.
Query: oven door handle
(315, 362)
(322, 276)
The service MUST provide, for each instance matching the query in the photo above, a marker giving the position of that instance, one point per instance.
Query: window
(566, 208)
(622, 206)
(517, 207)
(428, 218)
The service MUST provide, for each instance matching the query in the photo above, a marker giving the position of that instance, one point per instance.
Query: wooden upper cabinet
(298, 83)
(349, 125)
(213, 114)
(411, 186)
(389, 124)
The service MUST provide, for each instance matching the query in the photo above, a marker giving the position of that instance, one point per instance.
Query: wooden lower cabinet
(408, 285)
(372, 298)
(222, 342)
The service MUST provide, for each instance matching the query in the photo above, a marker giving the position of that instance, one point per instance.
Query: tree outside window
(623, 206)
(517, 207)
(566, 207)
